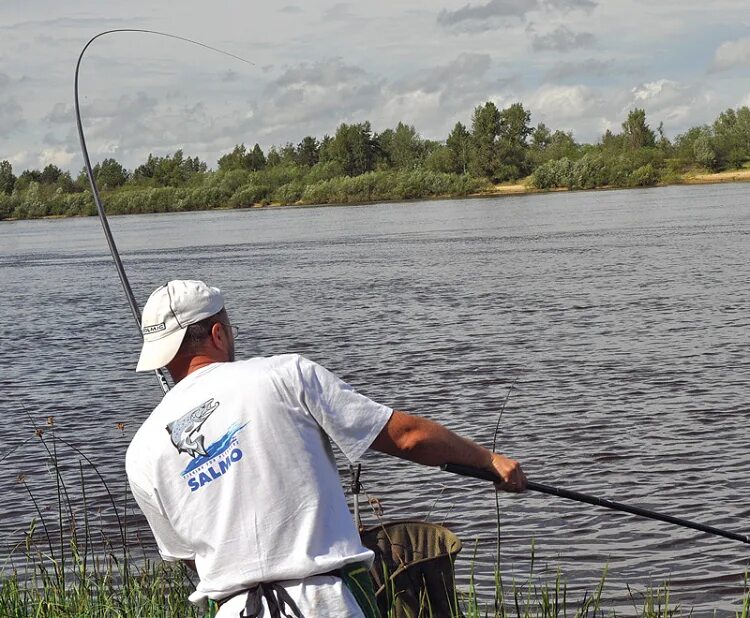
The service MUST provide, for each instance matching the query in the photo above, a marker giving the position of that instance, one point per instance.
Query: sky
(576, 65)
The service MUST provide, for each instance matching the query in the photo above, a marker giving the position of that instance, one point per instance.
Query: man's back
(234, 470)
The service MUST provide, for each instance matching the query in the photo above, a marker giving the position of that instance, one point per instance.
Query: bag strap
(277, 599)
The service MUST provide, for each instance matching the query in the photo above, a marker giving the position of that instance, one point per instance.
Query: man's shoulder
(276, 363)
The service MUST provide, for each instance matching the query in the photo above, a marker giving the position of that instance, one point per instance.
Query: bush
(228, 182)
(248, 195)
(554, 174)
(644, 176)
(390, 185)
(8, 204)
(325, 170)
(590, 172)
(290, 193)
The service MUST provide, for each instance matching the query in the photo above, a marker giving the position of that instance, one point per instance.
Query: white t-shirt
(234, 469)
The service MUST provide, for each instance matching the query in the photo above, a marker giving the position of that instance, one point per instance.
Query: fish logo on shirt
(185, 431)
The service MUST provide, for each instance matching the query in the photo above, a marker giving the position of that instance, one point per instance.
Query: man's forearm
(423, 441)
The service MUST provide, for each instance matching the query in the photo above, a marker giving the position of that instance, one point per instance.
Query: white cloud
(486, 16)
(591, 67)
(21, 160)
(56, 156)
(746, 100)
(315, 98)
(411, 107)
(731, 54)
(61, 113)
(11, 116)
(565, 102)
(562, 39)
(504, 13)
(676, 104)
(434, 98)
(662, 91)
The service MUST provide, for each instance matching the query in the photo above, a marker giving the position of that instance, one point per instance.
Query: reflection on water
(620, 318)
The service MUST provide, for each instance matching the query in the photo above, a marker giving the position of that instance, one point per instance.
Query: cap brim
(157, 354)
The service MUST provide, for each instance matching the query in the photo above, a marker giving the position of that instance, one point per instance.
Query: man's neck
(180, 368)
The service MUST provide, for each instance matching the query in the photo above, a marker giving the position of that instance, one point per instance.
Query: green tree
(405, 149)
(65, 183)
(7, 179)
(274, 158)
(238, 159)
(562, 144)
(169, 171)
(684, 144)
(636, 132)
(541, 137)
(308, 151)
(288, 154)
(353, 147)
(513, 134)
(485, 128)
(732, 137)
(50, 174)
(459, 144)
(110, 174)
(257, 159)
(612, 143)
(663, 142)
(242, 159)
(440, 160)
(383, 151)
(704, 152)
(25, 178)
(145, 171)
(82, 181)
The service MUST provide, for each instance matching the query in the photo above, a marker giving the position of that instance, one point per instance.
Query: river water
(620, 320)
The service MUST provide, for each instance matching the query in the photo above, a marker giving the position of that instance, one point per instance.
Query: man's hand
(510, 471)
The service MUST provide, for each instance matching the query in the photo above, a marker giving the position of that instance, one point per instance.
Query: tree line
(357, 164)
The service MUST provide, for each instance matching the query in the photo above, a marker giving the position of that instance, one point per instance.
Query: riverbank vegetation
(87, 555)
(356, 164)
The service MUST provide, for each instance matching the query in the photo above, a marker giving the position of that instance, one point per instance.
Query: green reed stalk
(115, 587)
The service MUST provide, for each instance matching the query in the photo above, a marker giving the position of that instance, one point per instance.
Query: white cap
(167, 314)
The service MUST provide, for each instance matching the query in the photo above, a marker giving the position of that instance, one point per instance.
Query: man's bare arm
(423, 441)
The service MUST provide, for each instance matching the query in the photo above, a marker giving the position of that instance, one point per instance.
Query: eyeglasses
(235, 329)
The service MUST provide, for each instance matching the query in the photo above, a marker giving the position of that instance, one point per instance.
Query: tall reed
(69, 566)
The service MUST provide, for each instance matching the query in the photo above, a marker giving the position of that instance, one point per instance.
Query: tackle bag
(413, 569)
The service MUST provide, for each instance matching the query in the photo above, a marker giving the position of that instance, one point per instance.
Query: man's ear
(219, 337)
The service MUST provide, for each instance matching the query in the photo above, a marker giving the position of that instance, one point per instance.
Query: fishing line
(92, 181)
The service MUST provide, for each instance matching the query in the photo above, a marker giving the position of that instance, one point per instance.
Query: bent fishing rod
(92, 180)
(486, 475)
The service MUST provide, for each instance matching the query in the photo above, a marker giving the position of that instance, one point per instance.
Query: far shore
(690, 178)
(522, 187)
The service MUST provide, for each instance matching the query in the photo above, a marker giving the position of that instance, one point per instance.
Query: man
(234, 468)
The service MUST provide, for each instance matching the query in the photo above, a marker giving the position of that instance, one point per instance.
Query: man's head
(183, 319)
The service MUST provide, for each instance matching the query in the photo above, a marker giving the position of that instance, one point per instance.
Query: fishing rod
(95, 190)
(486, 475)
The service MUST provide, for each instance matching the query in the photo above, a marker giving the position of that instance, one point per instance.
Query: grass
(67, 567)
